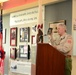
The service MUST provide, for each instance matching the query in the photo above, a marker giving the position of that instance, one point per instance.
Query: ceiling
(30, 5)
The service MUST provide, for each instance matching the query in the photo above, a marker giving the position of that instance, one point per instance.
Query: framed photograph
(13, 53)
(24, 51)
(4, 36)
(54, 24)
(25, 34)
(13, 36)
(33, 39)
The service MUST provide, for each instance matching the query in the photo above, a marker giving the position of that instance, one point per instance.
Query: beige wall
(73, 17)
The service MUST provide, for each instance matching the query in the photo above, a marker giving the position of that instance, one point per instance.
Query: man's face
(61, 30)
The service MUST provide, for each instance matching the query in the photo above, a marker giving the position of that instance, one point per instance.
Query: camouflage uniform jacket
(66, 44)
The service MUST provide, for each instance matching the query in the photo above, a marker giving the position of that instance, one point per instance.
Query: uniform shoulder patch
(69, 41)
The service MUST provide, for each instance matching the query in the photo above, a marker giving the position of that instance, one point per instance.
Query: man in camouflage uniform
(65, 46)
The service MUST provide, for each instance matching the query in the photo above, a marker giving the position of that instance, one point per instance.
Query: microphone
(45, 34)
(41, 36)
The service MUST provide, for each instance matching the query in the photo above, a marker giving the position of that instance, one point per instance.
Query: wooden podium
(49, 61)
